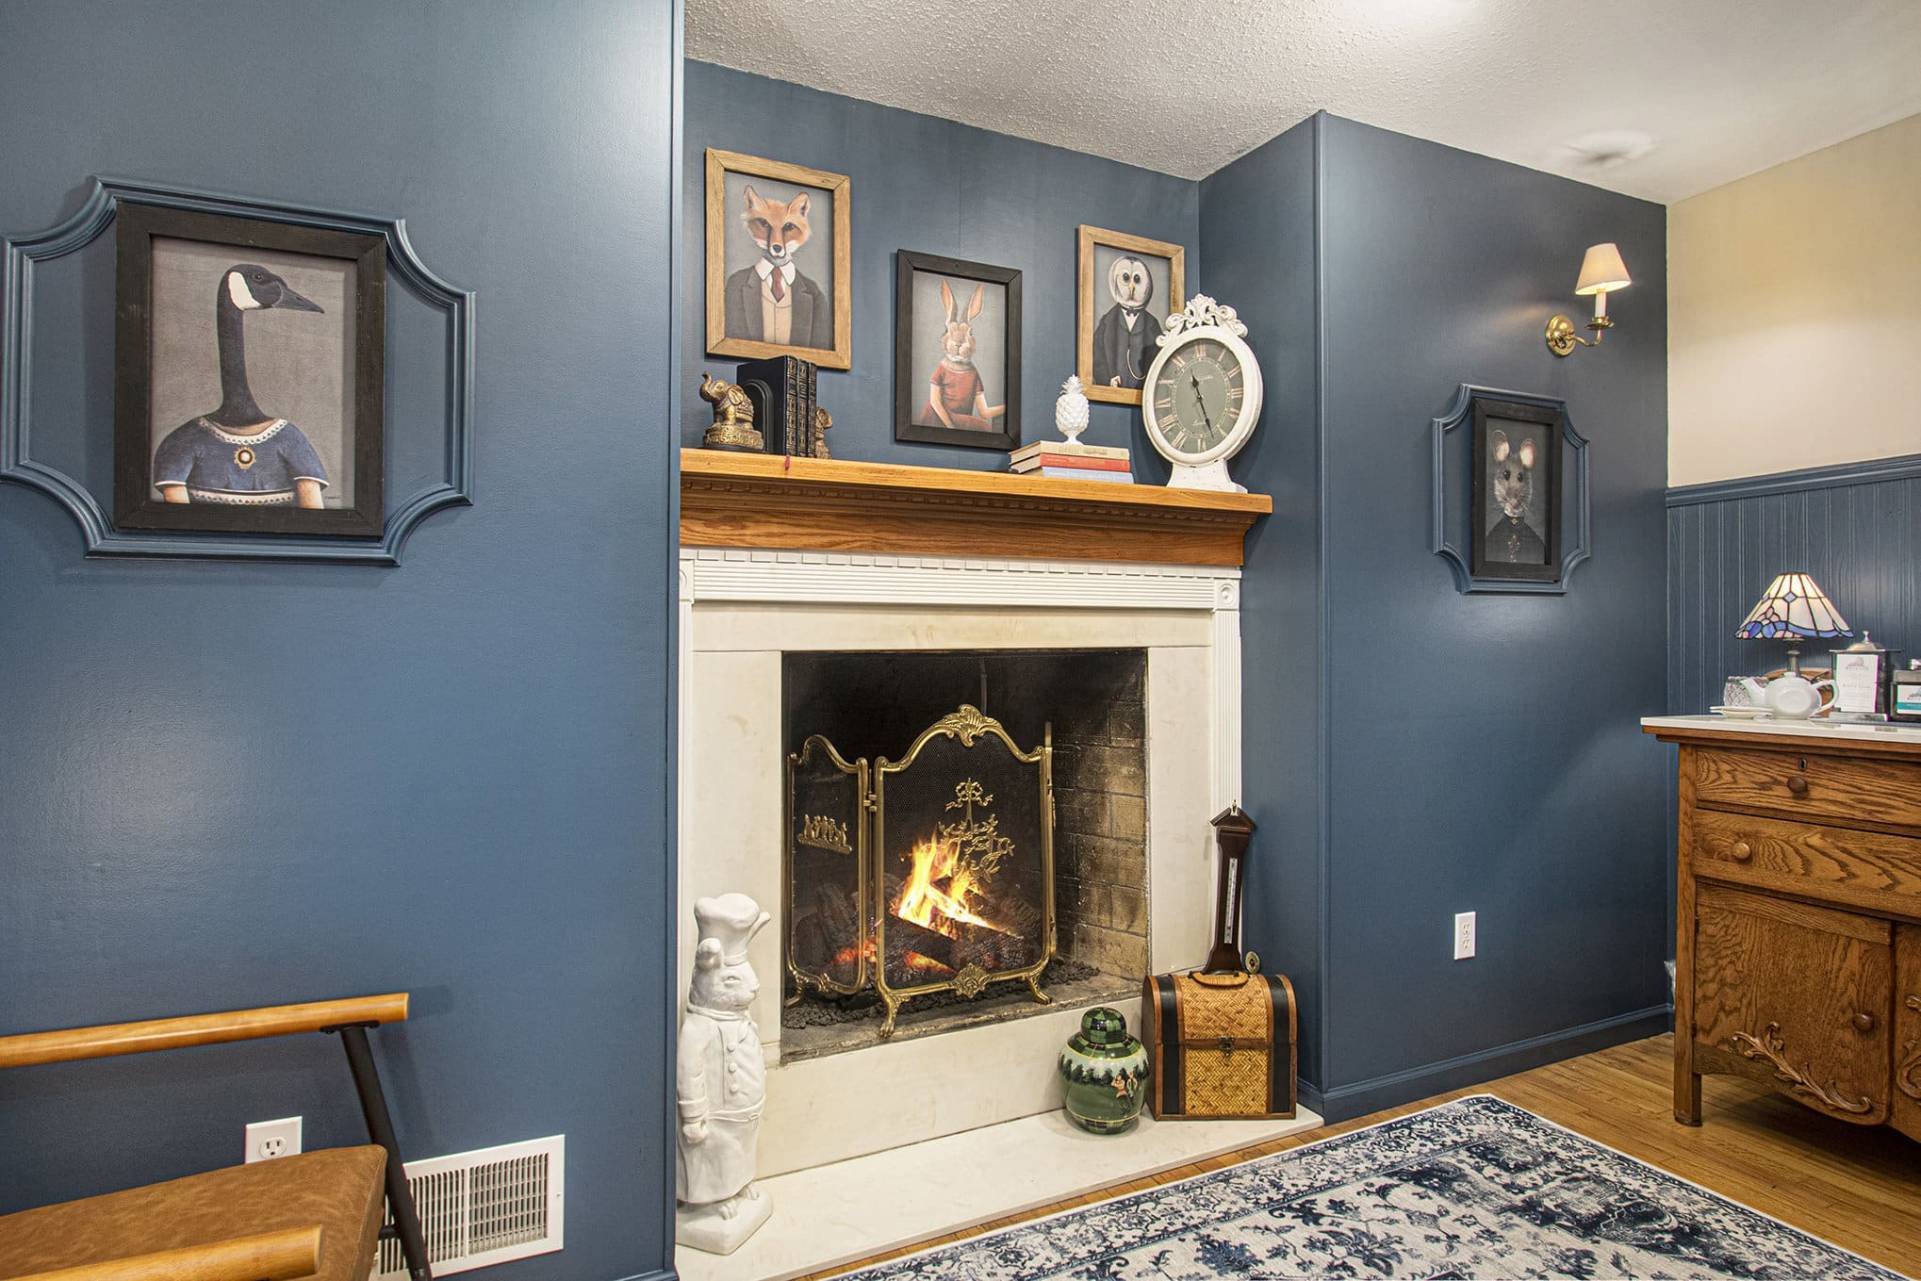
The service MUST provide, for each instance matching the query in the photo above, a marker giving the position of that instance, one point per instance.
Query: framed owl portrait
(1129, 285)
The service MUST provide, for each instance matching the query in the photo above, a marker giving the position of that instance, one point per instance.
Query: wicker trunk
(1222, 1046)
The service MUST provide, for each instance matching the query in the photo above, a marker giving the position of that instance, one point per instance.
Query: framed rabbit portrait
(1517, 491)
(957, 352)
(777, 254)
(1129, 286)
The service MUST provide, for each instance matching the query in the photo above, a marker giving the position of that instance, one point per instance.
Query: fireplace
(947, 882)
(1137, 669)
(966, 867)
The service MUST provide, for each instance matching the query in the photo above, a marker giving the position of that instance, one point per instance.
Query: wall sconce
(1602, 272)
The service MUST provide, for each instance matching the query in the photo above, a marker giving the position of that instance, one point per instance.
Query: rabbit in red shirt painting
(956, 397)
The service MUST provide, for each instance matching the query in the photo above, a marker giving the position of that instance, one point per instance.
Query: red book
(1080, 462)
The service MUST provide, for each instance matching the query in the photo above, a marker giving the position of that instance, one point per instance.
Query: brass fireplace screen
(931, 874)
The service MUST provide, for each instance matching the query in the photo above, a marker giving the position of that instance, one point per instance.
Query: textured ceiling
(1656, 98)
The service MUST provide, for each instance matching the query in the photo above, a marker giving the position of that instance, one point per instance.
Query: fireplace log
(909, 937)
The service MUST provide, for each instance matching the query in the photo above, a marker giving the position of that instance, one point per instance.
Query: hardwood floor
(1857, 1187)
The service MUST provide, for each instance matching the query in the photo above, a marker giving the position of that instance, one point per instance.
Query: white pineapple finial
(1070, 411)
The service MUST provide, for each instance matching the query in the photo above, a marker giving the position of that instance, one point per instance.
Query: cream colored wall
(1794, 313)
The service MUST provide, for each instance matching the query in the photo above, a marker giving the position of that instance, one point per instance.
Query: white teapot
(1790, 696)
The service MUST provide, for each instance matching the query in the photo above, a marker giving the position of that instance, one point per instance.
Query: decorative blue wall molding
(1454, 493)
(90, 220)
(1856, 529)
(1873, 471)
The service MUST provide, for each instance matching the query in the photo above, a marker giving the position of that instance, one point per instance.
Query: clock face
(1198, 396)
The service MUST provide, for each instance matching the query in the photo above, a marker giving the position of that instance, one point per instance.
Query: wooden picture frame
(1516, 451)
(735, 320)
(917, 318)
(223, 474)
(1087, 324)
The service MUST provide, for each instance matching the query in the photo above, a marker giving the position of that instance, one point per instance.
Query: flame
(936, 894)
(911, 959)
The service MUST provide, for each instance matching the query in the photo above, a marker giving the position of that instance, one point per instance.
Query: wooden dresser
(1798, 956)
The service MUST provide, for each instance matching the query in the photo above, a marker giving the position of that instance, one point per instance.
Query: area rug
(1475, 1188)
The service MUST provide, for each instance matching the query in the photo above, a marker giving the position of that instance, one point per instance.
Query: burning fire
(911, 959)
(938, 888)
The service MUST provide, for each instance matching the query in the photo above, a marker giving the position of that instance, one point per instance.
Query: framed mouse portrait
(249, 375)
(1129, 286)
(1517, 491)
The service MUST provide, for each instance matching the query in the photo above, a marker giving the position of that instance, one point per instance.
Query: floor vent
(485, 1207)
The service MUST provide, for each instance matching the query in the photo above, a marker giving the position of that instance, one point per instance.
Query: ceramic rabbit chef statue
(721, 1081)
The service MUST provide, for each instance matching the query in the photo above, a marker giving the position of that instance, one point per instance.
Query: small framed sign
(1861, 684)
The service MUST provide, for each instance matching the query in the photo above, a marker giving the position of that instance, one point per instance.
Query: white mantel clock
(1203, 395)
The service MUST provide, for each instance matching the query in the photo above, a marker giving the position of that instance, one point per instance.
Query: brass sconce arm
(1561, 338)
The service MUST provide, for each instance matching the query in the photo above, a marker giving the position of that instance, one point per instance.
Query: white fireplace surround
(740, 610)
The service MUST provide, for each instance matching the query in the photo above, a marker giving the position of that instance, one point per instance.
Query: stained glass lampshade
(1793, 608)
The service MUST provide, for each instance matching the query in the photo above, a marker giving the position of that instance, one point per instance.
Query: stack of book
(1072, 461)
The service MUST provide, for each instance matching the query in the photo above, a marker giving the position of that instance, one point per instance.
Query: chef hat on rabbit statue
(730, 921)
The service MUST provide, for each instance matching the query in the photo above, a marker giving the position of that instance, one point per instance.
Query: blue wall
(1474, 753)
(1856, 528)
(937, 187)
(1258, 215)
(226, 785)
(1485, 750)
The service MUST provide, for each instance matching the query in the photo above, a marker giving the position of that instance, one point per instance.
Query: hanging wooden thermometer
(1233, 829)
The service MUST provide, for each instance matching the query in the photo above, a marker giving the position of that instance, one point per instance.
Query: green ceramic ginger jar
(1104, 1072)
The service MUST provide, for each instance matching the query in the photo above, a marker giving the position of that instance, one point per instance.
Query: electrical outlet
(1463, 935)
(271, 1140)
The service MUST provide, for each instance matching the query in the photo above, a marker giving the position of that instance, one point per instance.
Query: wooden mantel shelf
(822, 504)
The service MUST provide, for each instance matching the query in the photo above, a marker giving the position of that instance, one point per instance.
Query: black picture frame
(136, 504)
(910, 384)
(1546, 474)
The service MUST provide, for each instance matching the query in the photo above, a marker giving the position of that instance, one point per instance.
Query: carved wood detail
(1911, 1059)
(1773, 1049)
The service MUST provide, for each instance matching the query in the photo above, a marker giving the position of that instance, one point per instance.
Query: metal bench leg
(380, 1128)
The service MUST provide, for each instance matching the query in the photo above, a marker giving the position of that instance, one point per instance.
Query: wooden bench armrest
(29, 1048)
(269, 1256)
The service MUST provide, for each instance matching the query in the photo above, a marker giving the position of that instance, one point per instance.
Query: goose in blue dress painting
(237, 454)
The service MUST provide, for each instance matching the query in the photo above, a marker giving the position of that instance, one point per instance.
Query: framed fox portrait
(777, 253)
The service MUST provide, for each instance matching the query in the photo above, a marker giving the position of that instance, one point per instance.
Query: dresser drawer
(1867, 870)
(1809, 786)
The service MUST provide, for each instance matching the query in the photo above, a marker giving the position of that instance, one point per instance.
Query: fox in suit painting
(773, 301)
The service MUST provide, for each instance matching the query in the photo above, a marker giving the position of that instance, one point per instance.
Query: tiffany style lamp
(1793, 609)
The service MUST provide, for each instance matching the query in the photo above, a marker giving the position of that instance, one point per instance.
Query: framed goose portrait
(777, 254)
(1129, 286)
(249, 375)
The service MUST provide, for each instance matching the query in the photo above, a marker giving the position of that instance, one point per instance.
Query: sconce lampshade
(1793, 606)
(1602, 271)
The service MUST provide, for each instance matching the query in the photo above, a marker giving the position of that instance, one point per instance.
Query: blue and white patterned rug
(1476, 1188)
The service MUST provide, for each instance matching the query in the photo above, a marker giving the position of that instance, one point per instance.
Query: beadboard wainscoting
(1856, 528)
